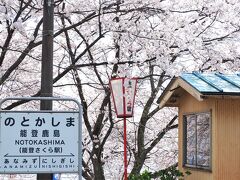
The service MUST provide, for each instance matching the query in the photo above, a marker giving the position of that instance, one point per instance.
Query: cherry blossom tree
(99, 39)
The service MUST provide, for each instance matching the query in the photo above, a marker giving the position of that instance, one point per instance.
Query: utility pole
(47, 64)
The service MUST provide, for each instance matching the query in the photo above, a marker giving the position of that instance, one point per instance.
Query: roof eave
(167, 93)
(174, 84)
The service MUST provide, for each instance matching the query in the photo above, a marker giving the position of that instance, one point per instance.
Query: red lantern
(123, 92)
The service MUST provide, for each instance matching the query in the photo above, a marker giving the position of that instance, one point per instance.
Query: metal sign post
(43, 141)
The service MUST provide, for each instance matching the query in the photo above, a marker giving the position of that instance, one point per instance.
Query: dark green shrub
(170, 173)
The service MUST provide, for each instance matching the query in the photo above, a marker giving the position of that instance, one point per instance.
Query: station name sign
(39, 142)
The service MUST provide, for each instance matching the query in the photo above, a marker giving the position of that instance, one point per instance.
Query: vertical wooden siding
(189, 105)
(228, 141)
(225, 126)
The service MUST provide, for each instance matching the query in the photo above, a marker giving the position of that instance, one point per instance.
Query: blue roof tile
(213, 83)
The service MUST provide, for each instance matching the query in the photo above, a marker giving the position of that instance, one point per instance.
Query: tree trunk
(98, 168)
(138, 163)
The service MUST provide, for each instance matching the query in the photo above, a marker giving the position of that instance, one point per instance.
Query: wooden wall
(188, 104)
(228, 141)
(225, 137)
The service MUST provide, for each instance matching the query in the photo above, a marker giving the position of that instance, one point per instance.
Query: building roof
(200, 86)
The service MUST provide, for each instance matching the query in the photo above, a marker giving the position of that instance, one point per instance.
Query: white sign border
(50, 111)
